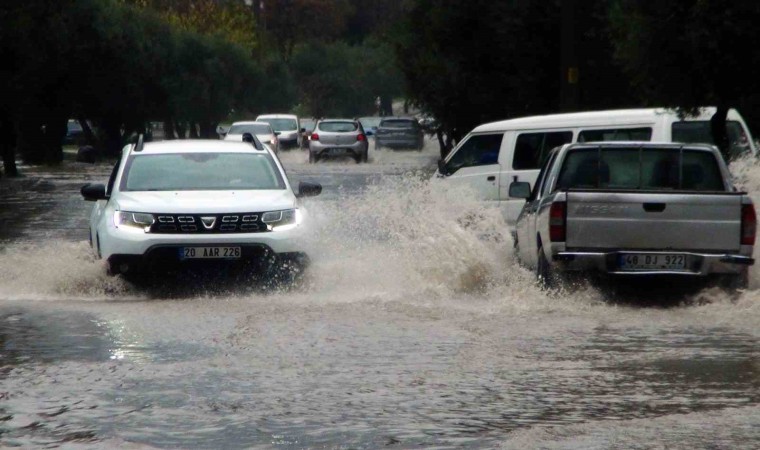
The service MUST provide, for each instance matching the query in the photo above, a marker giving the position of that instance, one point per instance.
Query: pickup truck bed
(685, 220)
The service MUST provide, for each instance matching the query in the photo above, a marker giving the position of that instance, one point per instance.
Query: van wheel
(545, 276)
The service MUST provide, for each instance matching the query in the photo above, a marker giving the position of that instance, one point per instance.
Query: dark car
(399, 132)
(74, 133)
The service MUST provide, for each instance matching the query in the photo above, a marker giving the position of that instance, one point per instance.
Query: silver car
(338, 137)
(399, 132)
(261, 130)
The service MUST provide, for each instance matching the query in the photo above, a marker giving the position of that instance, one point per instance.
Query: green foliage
(339, 79)
(471, 62)
(686, 53)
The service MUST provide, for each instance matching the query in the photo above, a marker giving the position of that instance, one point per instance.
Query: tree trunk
(386, 106)
(181, 131)
(30, 143)
(720, 132)
(169, 130)
(89, 135)
(112, 136)
(55, 131)
(193, 130)
(8, 146)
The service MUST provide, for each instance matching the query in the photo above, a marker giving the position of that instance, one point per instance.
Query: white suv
(288, 127)
(175, 204)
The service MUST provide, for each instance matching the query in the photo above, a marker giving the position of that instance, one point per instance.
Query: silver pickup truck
(635, 209)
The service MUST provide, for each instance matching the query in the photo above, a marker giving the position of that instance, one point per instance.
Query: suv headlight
(281, 220)
(133, 220)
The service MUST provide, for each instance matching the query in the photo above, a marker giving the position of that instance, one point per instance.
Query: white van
(494, 155)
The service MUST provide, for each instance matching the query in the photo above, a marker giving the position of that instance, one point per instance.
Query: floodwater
(414, 328)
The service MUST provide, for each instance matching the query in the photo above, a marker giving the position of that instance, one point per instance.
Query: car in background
(262, 130)
(370, 124)
(399, 132)
(287, 125)
(178, 204)
(74, 133)
(338, 137)
(307, 126)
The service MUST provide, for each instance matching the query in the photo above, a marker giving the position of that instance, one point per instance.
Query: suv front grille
(208, 223)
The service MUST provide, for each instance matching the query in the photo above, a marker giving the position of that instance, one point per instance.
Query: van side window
(532, 149)
(700, 131)
(478, 150)
(616, 134)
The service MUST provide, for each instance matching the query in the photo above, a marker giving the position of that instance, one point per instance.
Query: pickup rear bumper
(697, 264)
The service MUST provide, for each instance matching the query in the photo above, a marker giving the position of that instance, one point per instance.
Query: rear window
(338, 127)
(631, 168)
(700, 131)
(254, 128)
(280, 124)
(616, 134)
(398, 123)
(201, 172)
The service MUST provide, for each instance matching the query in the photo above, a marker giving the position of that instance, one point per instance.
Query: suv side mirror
(306, 189)
(519, 189)
(94, 192)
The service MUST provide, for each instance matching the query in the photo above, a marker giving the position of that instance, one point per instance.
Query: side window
(478, 150)
(543, 176)
(532, 149)
(618, 134)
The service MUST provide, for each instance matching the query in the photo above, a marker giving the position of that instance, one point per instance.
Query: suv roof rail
(140, 143)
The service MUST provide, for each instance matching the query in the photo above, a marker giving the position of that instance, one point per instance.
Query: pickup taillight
(749, 225)
(557, 221)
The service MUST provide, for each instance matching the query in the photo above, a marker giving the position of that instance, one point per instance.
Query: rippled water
(414, 327)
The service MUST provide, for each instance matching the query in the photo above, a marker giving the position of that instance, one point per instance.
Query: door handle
(491, 178)
(654, 207)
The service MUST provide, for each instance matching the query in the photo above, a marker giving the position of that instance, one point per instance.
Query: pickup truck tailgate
(653, 221)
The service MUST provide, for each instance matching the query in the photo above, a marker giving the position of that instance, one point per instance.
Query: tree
(686, 54)
(466, 63)
(292, 22)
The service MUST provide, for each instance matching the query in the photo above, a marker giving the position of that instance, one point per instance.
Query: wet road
(409, 332)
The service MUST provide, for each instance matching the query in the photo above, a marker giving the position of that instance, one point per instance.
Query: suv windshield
(253, 128)
(398, 123)
(338, 127)
(281, 124)
(632, 168)
(201, 172)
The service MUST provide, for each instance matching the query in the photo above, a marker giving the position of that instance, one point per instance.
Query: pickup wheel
(735, 282)
(545, 276)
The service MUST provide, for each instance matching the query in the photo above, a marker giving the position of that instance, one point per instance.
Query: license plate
(651, 261)
(337, 151)
(209, 252)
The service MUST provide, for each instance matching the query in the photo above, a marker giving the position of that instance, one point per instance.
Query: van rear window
(700, 131)
(632, 168)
